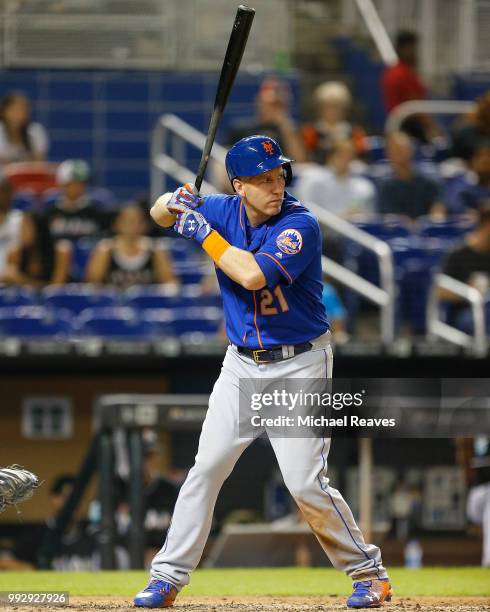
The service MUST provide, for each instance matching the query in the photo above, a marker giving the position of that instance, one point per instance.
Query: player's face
(263, 193)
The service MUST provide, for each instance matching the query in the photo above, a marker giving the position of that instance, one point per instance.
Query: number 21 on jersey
(268, 303)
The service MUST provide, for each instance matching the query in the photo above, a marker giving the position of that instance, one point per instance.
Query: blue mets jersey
(287, 247)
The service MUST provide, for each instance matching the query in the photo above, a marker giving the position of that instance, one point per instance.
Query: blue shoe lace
(362, 588)
(157, 586)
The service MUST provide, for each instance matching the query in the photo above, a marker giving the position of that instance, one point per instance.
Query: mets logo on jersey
(290, 241)
(268, 147)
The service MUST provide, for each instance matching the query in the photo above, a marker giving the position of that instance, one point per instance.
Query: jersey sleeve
(289, 249)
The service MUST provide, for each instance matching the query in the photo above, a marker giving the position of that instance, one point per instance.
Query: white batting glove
(192, 225)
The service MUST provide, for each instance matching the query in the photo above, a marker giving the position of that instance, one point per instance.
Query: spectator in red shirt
(401, 83)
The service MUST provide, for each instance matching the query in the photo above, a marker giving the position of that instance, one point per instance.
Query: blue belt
(275, 354)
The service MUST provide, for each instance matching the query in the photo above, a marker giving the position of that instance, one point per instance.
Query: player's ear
(238, 186)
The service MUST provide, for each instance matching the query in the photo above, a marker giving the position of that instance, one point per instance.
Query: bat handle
(208, 145)
(200, 173)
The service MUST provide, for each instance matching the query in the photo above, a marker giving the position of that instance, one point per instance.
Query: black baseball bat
(231, 63)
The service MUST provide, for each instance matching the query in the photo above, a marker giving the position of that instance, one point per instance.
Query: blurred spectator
(160, 495)
(78, 544)
(21, 139)
(272, 118)
(334, 186)
(408, 192)
(401, 507)
(401, 83)
(74, 214)
(333, 101)
(463, 194)
(11, 227)
(38, 260)
(470, 264)
(130, 258)
(467, 139)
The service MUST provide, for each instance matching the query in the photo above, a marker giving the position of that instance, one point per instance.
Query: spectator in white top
(334, 186)
(11, 223)
(130, 257)
(21, 139)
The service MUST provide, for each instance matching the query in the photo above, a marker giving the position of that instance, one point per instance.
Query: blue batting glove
(183, 198)
(192, 225)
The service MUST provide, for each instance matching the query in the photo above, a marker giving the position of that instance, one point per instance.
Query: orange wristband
(215, 245)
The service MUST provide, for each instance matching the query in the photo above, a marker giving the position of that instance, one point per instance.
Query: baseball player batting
(267, 249)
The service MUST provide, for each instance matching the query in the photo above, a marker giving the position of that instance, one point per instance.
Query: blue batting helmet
(253, 155)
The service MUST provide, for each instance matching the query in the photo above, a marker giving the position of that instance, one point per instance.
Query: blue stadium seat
(17, 296)
(143, 297)
(416, 260)
(203, 320)
(49, 197)
(183, 250)
(190, 272)
(24, 199)
(193, 295)
(386, 227)
(407, 252)
(182, 321)
(35, 321)
(77, 297)
(161, 319)
(470, 85)
(447, 229)
(115, 322)
(159, 296)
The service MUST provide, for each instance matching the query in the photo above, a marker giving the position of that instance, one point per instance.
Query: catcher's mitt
(16, 485)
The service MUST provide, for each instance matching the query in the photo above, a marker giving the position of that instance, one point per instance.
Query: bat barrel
(231, 63)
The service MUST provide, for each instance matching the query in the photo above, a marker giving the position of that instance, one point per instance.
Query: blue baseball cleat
(158, 594)
(370, 593)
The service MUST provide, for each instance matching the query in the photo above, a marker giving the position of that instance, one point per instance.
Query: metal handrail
(383, 296)
(378, 31)
(427, 107)
(477, 342)
(163, 164)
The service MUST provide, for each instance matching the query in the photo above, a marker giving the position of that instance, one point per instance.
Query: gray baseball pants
(303, 463)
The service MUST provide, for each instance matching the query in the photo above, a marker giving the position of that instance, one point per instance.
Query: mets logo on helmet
(290, 241)
(268, 147)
